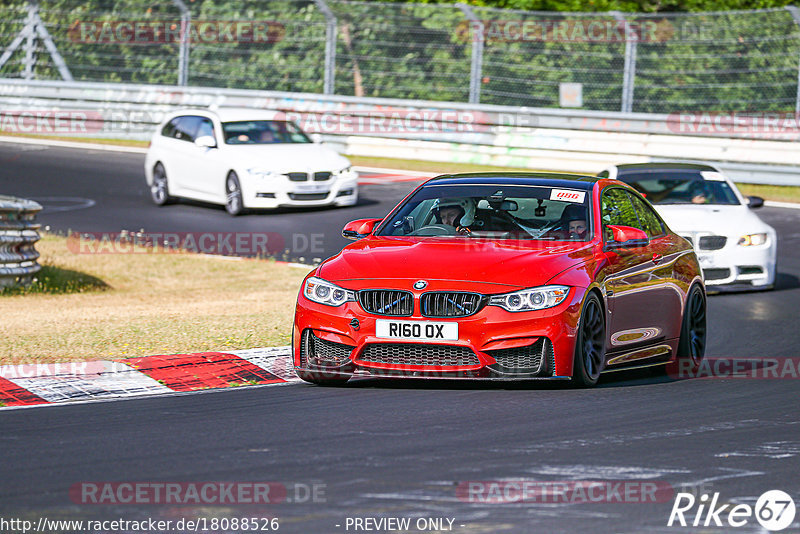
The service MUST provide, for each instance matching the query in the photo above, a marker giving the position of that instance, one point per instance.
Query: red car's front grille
(419, 354)
(386, 301)
(450, 304)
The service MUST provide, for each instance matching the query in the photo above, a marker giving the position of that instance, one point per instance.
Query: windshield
(681, 187)
(493, 212)
(262, 133)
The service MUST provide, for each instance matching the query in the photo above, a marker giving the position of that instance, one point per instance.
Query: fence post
(795, 13)
(328, 86)
(629, 69)
(476, 66)
(30, 42)
(186, 34)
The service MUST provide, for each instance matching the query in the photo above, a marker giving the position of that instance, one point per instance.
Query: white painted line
(399, 172)
(776, 204)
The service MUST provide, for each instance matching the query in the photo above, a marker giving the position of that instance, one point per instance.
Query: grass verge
(95, 140)
(105, 306)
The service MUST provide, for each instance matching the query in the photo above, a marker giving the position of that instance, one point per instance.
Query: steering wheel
(435, 229)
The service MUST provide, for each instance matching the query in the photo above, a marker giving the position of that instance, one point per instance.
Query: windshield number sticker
(565, 195)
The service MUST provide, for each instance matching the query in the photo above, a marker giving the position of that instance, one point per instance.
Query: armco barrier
(565, 140)
(18, 237)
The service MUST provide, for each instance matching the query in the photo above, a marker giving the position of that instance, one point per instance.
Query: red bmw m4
(504, 276)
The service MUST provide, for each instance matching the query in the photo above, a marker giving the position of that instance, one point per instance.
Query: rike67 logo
(774, 511)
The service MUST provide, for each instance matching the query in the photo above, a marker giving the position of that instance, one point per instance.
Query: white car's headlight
(319, 290)
(346, 170)
(752, 240)
(536, 298)
(263, 173)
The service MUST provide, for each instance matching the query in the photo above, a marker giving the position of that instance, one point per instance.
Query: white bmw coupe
(736, 249)
(244, 158)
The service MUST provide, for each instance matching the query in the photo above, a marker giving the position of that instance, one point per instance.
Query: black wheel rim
(234, 196)
(697, 326)
(159, 187)
(592, 334)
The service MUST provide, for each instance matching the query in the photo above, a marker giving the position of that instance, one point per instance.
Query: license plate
(416, 330)
(311, 188)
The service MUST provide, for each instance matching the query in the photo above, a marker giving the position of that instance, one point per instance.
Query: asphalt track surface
(387, 448)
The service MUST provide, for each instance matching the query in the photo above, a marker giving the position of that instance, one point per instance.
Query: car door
(665, 253)
(180, 152)
(205, 167)
(634, 287)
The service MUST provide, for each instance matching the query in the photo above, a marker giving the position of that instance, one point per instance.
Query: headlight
(537, 298)
(346, 170)
(319, 290)
(263, 173)
(752, 240)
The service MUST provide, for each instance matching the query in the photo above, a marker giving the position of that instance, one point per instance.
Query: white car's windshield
(680, 187)
(494, 212)
(262, 133)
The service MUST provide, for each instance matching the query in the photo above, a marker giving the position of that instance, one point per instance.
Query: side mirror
(316, 138)
(755, 202)
(627, 236)
(206, 141)
(359, 228)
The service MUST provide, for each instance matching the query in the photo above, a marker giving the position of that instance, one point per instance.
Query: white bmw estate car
(736, 249)
(244, 158)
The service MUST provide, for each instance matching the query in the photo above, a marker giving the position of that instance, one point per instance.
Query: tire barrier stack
(19, 233)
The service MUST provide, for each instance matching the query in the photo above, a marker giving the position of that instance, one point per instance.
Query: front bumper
(342, 191)
(482, 339)
(737, 268)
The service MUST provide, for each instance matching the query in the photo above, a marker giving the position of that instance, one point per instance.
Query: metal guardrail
(568, 140)
(18, 236)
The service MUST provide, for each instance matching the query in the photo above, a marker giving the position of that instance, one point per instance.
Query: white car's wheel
(233, 195)
(159, 189)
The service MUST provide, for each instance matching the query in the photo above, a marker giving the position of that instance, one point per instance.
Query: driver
(573, 220)
(457, 212)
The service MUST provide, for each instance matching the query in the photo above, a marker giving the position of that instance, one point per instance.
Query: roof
(663, 166)
(550, 179)
(233, 114)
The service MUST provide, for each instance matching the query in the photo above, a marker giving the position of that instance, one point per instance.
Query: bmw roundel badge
(420, 284)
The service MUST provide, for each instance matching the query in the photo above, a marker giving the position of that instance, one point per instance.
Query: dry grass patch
(124, 305)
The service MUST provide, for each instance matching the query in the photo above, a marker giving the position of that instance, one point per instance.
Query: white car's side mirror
(206, 141)
(316, 137)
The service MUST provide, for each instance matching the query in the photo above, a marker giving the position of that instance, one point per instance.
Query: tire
(159, 190)
(692, 343)
(233, 195)
(590, 345)
(319, 378)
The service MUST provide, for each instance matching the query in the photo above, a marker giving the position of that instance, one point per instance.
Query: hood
(288, 157)
(506, 266)
(717, 219)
